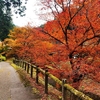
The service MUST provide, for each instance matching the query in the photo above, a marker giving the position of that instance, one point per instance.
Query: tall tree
(67, 27)
(76, 26)
(6, 7)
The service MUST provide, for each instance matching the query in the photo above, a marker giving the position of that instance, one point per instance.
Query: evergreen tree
(6, 7)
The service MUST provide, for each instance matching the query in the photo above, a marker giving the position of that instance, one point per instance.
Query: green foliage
(2, 58)
(1, 49)
(4, 50)
(7, 5)
(5, 22)
(6, 14)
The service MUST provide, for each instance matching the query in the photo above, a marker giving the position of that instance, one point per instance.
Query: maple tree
(70, 43)
(29, 44)
(76, 26)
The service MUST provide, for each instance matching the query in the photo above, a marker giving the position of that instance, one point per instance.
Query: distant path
(11, 87)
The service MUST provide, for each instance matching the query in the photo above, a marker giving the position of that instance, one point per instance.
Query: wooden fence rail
(68, 92)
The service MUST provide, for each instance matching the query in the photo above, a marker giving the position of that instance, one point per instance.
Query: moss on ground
(2, 58)
(35, 89)
(22, 75)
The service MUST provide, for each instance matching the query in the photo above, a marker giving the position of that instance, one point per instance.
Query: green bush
(2, 58)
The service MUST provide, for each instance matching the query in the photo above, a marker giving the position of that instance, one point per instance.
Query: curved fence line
(68, 92)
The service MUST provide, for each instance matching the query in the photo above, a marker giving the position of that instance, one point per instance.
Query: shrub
(2, 58)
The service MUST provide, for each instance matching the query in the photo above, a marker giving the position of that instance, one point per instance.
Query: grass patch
(2, 58)
(36, 88)
(22, 74)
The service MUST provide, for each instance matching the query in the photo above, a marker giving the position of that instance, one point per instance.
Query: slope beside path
(11, 87)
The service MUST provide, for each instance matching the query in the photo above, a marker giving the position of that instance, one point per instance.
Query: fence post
(15, 61)
(31, 71)
(37, 71)
(25, 65)
(28, 68)
(18, 62)
(21, 63)
(63, 89)
(46, 81)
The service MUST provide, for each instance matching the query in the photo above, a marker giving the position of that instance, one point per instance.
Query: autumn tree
(17, 41)
(70, 42)
(31, 45)
(76, 26)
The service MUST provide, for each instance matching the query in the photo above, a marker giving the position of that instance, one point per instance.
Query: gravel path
(11, 87)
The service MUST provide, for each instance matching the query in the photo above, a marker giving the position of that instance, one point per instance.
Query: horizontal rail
(74, 94)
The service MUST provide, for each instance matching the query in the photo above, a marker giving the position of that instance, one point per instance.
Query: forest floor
(91, 87)
(37, 89)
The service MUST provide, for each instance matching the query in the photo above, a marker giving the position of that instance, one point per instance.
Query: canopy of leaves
(6, 7)
(70, 45)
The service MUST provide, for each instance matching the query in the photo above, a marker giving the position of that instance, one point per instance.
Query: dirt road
(11, 87)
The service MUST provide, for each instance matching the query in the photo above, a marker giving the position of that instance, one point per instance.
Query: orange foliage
(77, 28)
(70, 43)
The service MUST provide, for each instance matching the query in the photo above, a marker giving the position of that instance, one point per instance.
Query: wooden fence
(68, 92)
